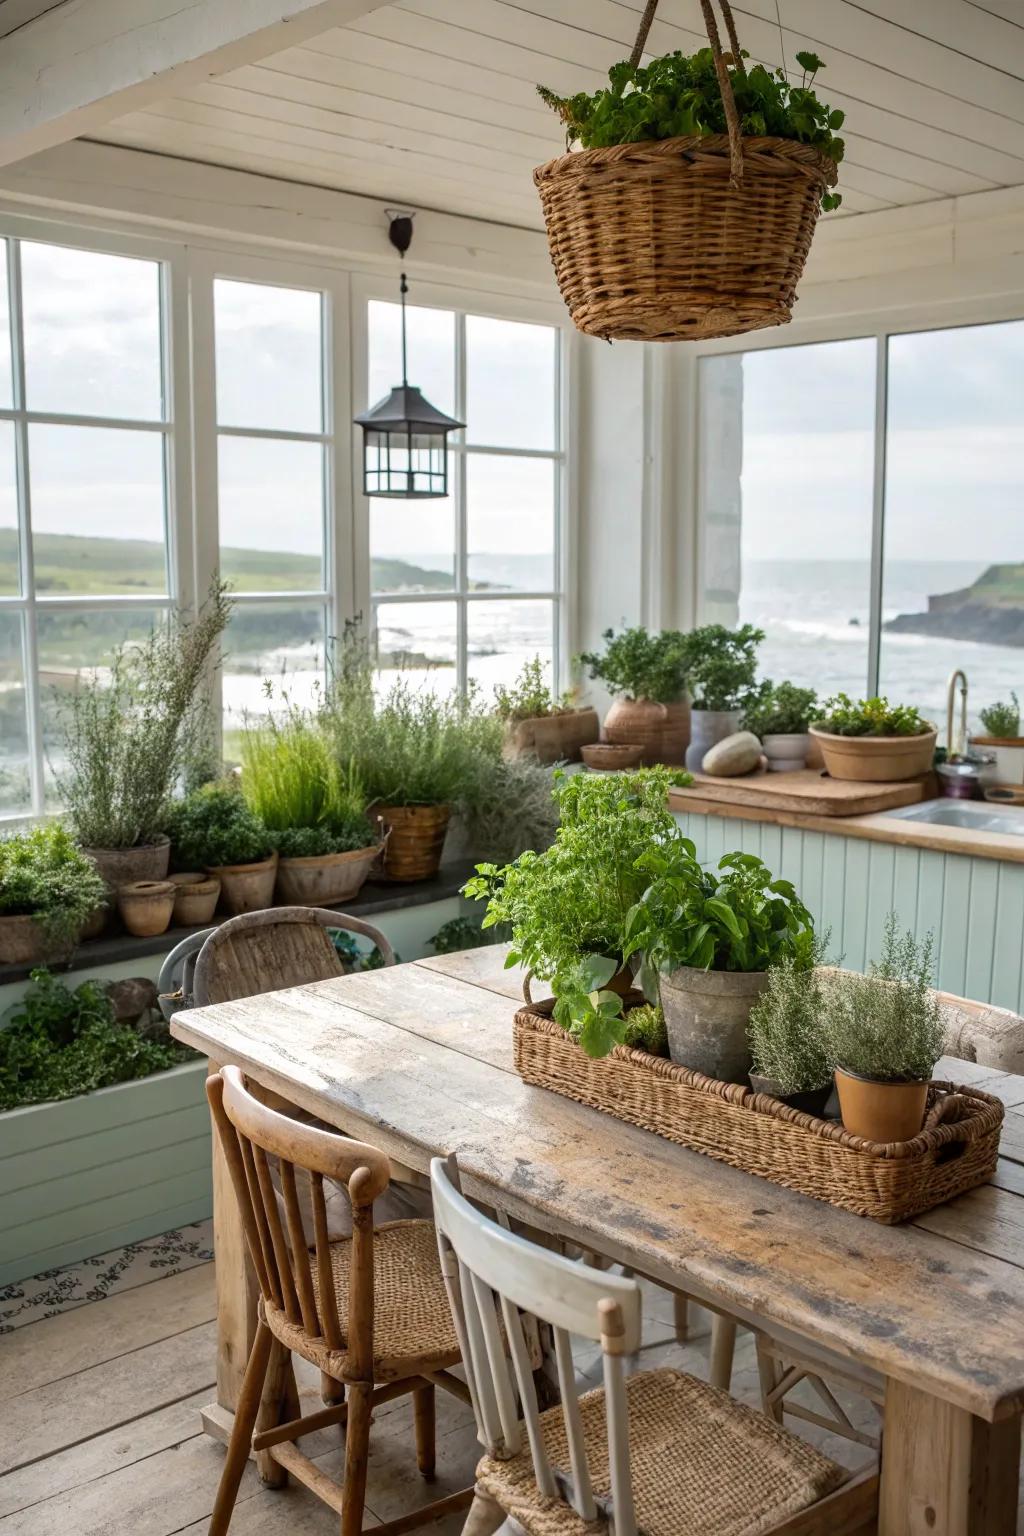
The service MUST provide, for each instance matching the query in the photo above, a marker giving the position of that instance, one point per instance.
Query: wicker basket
(415, 839)
(688, 238)
(956, 1151)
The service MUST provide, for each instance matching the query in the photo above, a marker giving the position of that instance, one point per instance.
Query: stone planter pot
(246, 887)
(876, 759)
(127, 866)
(706, 1015)
(553, 738)
(881, 1111)
(415, 839)
(786, 753)
(707, 727)
(195, 900)
(637, 722)
(146, 907)
(23, 941)
(325, 879)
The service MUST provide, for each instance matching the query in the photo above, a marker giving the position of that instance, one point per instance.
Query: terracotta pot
(610, 756)
(675, 736)
(322, 880)
(876, 759)
(707, 728)
(146, 906)
(23, 941)
(246, 887)
(881, 1111)
(415, 839)
(553, 738)
(127, 866)
(786, 752)
(195, 900)
(706, 1015)
(637, 722)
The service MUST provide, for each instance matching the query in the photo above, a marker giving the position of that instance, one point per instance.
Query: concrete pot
(126, 866)
(876, 759)
(195, 900)
(324, 879)
(881, 1111)
(246, 887)
(706, 1015)
(146, 907)
(786, 753)
(708, 726)
(22, 941)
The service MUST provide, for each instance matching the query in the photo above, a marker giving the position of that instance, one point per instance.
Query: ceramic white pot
(786, 753)
(707, 727)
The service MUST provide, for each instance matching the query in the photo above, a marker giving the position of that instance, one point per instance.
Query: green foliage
(1002, 720)
(721, 665)
(515, 809)
(887, 1025)
(309, 800)
(741, 920)
(462, 933)
(646, 1031)
(58, 1043)
(529, 696)
(131, 733)
(214, 826)
(788, 1039)
(782, 709)
(679, 95)
(870, 717)
(352, 954)
(44, 874)
(641, 665)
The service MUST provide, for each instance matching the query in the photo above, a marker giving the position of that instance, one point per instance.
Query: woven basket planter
(415, 839)
(762, 1136)
(327, 878)
(553, 738)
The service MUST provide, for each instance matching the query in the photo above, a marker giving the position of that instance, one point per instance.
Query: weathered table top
(419, 1058)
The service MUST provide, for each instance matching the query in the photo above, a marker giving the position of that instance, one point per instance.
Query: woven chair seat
(702, 1465)
(412, 1321)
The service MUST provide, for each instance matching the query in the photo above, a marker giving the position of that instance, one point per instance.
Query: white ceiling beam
(85, 62)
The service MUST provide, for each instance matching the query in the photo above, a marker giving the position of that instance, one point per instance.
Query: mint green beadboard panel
(974, 907)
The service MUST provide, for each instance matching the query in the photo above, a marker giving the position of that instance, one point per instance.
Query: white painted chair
(657, 1451)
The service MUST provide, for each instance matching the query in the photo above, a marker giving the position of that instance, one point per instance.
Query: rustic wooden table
(418, 1060)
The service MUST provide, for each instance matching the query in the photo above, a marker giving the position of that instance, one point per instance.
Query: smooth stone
(739, 753)
(132, 998)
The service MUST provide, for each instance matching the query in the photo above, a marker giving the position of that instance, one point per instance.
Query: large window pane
(954, 536)
(10, 571)
(6, 394)
(97, 510)
(510, 383)
(420, 638)
(786, 454)
(14, 774)
(282, 643)
(412, 545)
(503, 635)
(271, 499)
(92, 333)
(510, 522)
(431, 348)
(269, 369)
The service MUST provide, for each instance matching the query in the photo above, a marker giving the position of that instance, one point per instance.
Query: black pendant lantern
(405, 438)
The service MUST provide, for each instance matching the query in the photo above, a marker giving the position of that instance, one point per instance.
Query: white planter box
(85, 1175)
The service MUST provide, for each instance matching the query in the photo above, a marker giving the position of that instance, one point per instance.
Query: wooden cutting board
(807, 791)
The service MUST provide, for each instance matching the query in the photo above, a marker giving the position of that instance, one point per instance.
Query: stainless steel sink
(978, 815)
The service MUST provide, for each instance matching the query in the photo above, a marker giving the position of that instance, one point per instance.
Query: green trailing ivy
(679, 95)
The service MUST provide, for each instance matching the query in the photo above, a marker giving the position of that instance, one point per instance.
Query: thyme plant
(887, 1025)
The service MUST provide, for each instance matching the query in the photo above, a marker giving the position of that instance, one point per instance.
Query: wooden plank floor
(100, 1430)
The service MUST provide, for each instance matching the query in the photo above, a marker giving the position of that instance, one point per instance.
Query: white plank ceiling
(431, 103)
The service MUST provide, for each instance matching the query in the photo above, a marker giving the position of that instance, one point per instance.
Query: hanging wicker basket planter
(683, 239)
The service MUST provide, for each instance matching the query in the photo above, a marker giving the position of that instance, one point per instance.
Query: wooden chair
(369, 1311)
(657, 1451)
(261, 952)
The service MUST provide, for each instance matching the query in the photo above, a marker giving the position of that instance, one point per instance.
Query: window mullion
(877, 576)
(461, 558)
(30, 638)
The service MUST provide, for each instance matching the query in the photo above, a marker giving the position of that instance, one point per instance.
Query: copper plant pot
(881, 1111)
(415, 839)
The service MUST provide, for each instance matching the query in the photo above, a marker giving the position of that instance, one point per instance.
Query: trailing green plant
(721, 666)
(214, 826)
(870, 717)
(529, 696)
(887, 1025)
(57, 1043)
(513, 809)
(641, 665)
(311, 801)
(788, 1039)
(743, 919)
(646, 1030)
(45, 875)
(567, 906)
(679, 95)
(782, 709)
(352, 954)
(132, 732)
(462, 933)
(1002, 720)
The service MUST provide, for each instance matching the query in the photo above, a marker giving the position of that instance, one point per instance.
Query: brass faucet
(957, 748)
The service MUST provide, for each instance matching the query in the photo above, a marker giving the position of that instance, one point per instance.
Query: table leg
(945, 1472)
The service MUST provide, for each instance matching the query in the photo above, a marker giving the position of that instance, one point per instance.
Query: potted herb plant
(713, 938)
(720, 666)
(129, 735)
(49, 890)
(873, 741)
(780, 716)
(312, 804)
(885, 1034)
(786, 1031)
(214, 829)
(647, 676)
(1002, 742)
(539, 725)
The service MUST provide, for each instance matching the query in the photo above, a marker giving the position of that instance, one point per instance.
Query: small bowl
(610, 756)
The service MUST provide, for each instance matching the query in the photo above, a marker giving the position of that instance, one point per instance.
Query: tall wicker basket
(683, 239)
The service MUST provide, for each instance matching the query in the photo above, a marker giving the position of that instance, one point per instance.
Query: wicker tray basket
(956, 1151)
